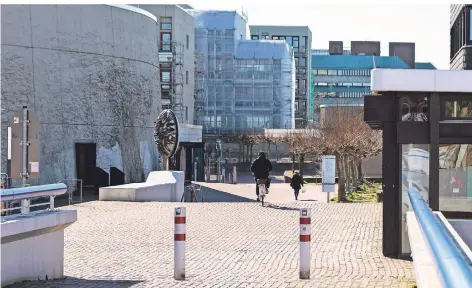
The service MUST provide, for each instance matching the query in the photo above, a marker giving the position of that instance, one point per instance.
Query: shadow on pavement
(281, 207)
(213, 195)
(76, 282)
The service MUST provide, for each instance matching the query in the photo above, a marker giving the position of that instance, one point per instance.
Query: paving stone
(124, 244)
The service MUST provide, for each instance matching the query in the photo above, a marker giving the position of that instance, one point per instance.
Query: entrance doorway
(85, 163)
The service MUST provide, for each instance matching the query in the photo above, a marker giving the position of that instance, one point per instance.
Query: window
(322, 72)
(289, 40)
(304, 38)
(254, 37)
(296, 61)
(357, 84)
(295, 41)
(186, 113)
(332, 72)
(303, 64)
(413, 108)
(458, 109)
(166, 26)
(186, 77)
(303, 84)
(296, 84)
(275, 37)
(188, 42)
(265, 36)
(470, 24)
(166, 39)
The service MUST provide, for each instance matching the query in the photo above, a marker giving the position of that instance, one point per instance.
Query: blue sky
(425, 24)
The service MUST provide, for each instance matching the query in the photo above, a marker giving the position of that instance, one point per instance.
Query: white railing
(25, 194)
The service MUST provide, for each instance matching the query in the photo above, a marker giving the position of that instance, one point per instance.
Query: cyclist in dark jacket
(261, 168)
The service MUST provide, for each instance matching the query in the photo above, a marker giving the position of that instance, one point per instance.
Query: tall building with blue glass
(340, 77)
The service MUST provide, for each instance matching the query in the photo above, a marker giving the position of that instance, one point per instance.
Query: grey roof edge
(134, 9)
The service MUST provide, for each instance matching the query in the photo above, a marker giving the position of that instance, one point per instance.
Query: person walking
(296, 184)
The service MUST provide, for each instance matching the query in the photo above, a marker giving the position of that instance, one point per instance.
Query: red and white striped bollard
(179, 243)
(305, 239)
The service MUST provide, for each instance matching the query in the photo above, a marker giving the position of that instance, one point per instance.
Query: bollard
(179, 243)
(305, 237)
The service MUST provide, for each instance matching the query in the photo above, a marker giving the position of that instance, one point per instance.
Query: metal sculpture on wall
(166, 135)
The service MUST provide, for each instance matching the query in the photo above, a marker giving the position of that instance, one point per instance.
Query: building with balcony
(242, 86)
(461, 36)
(299, 38)
(342, 77)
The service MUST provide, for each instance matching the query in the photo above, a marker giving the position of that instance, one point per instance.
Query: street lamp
(218, 142)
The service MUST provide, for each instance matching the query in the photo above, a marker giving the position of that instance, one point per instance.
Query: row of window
(323, 84)
(340, 94)
(293, 41)
(344, 72)
(248, 122)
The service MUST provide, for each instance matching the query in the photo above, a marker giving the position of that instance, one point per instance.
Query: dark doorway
(86, 161)
(188, 164)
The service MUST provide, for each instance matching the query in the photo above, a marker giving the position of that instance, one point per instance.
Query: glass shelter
(426, 120)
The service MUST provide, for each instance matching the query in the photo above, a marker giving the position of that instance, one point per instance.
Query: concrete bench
(160, 186)
(33, 242)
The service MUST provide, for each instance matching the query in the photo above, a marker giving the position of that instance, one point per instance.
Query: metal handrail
(453, 270)
(26, 193)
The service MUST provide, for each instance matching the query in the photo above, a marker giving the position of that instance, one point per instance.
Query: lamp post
(218, 142)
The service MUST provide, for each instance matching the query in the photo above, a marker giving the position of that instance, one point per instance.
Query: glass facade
(415, 173)
(455, 177)
(240, 93)
(458, 110)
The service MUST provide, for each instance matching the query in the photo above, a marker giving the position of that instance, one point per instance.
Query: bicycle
(262, 189)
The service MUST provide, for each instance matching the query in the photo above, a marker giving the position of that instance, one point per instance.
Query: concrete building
(461, 36)
(242, 86)
(177, 76)
(299, 38)
(341, 77)
(91, 75)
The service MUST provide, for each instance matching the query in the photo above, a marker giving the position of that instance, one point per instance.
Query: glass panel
(289, 40)
(295, 42)
(166, 41)
(455, 177)
(322, 72)
(166, 26)
(415, 169)
(254, 37)
(414, 108)
(332, 72)
(458, 109)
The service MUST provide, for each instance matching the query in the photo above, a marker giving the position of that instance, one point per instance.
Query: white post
(305, 238)
(179, 243)
(25, 206)
(51, 202)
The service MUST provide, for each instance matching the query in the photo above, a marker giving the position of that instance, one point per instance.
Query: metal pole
(327, 199)
(24, 145)
(51, 202)
(179, 243)
(165, 163)
(305, 240)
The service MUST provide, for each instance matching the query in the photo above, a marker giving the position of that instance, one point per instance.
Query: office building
(176, 28)
(299, 38)
(461, 36)
(342, 76)
(242, 86)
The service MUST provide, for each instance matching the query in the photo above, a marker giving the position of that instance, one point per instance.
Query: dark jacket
(297, 182)
(261, 167)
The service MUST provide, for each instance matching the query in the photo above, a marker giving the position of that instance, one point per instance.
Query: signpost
(25, 146)
(328, 170)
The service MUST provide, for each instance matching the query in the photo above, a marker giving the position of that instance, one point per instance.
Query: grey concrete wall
(183, 25)
(90, 73)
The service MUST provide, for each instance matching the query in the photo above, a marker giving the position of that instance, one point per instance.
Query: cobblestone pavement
(125, 244)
